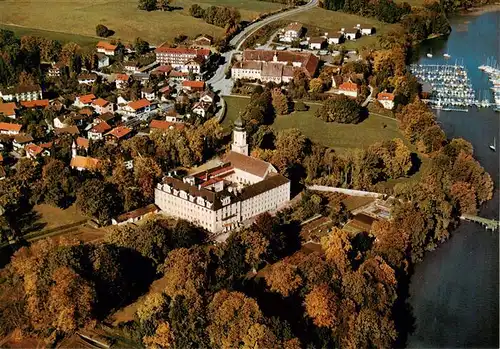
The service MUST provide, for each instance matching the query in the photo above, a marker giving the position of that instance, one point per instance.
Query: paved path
(219, 81)
(369, 98)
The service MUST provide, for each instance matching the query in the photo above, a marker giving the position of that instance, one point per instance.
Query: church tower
(239, 138)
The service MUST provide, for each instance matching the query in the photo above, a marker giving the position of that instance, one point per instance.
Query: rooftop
(100, 102)
(193, 84)
(73, 130)
(152, 208)
(119, 132)
(86, 99)
(106, 46)
(248, 164)
(385, 96)
(41, 103)
(10, 127)
(84, 162)
(8, 109)
(165, 125)
(182, 51)
(141, 103)
(348, 86)
(100, 127)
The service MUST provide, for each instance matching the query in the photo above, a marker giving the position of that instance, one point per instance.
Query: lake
(454, 291)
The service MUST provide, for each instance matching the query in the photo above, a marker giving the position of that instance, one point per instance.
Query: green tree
(97, 199)
(280, 102)
(341, 109)
(147, 5)
(141, 46)
(102, 31)
(196, 11)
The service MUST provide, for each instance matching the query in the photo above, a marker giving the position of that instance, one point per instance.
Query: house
(87, 78)
(10, 129)
(292, 32)
(110, 118)
(42, 103)
(364, 31)
(118, 133)
(102, 106)
(207, 97)
(148, 93)
(163, 70)
(8, 110)
(33, 151)
(61, 121)
(178, 75)
(21, 140)
(201, 109)
(131, 67)
(336, 39)
(136, 215)
(164, 125)
(386, 99)
(98, 130)
(316, 43)
(136, 107)
(71, 130)
(106, 48)
(56, 70)
(143, 78)
(164, 93)
(82, 143)
(349, 89)
(84, 163)
(22, 93)
(352, 35)
(102, 61)
(177, 57)
(84, 101)
(193, 86)
(122, 80)
(203, 40)
(195, 65)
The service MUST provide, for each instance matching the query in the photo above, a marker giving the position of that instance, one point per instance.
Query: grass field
(342, 137)
(333, 21)
(60, 19)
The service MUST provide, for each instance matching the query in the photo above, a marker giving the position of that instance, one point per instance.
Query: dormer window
(226, 201)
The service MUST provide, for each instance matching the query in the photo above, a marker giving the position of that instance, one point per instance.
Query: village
(172, 87)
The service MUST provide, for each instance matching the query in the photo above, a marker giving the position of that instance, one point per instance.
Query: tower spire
(239, 137)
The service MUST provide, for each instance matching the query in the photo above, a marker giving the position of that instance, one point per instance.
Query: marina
(492, 69)
(450, 86)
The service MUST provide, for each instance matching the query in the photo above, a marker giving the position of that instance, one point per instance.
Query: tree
(163, 5)
(260, 336)
(141, 46)
(185, 272)
(280, 102)
(102, 31)
(290, 149)
(316, 85)
(147, 173)
(196, 11)
(341, 109)
(283, 278)
(97, 199)
(464, 197)
(231, 315)
(336, 246)
(161, 339)
(147, 5)
(322, 306)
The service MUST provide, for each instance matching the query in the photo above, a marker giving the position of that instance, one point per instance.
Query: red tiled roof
(82, 142)
(47, 145)
(106, 46)
(308, 61)
(86, 111)
(73, 130)
(101, 127)
(33, 149)
(122, 77)
(182, 51)
(8, 109)
(385, 96)
(141, 103)
(86, 99)
(119, 132)
(193, 84)
(348, 86)
(44, 103)
(152, 208)
(100, 102)
(10, 127)
(165, 125)
(164, 68)
(176, 73)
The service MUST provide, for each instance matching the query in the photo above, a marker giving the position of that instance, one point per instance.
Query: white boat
(446, 55)
(494, 145)
(429, 55)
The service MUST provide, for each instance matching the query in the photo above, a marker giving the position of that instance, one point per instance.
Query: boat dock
(493, 70)
(450, 84)
(489, 224)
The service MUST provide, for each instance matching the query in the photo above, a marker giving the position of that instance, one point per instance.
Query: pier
(493, 70)
(489, 224)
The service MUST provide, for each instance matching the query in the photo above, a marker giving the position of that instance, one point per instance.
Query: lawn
(342, 137)
(320, 21)
(57, 18)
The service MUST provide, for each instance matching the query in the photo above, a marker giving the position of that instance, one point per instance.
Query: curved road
(219, 81)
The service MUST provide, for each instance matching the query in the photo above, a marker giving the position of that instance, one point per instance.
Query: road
(369, 98)
(219, 81)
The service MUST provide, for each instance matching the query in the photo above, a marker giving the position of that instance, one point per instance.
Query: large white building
(275, 66)
(223, 197)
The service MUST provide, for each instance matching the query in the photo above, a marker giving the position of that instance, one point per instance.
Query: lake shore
(478, 11)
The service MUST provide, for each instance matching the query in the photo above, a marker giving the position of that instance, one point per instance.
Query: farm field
(60, 19)
(322, 21)
(342, 137)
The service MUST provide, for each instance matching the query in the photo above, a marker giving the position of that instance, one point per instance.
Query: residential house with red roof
(82, 143)
(386, 99)
(84, 163)
(193, 86)
(84, 101)
(87, 78)
(98, 131)
(8, 110)
(10, 129)
(177, 57)
(102, 106)
(118, 134)
(41, 103)
(349, 89)
(121, 80)
(164, 125)
(106, 48)
(135, 108)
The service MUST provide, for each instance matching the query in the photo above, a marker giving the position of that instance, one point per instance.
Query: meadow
(342, 137)
(76, 20)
